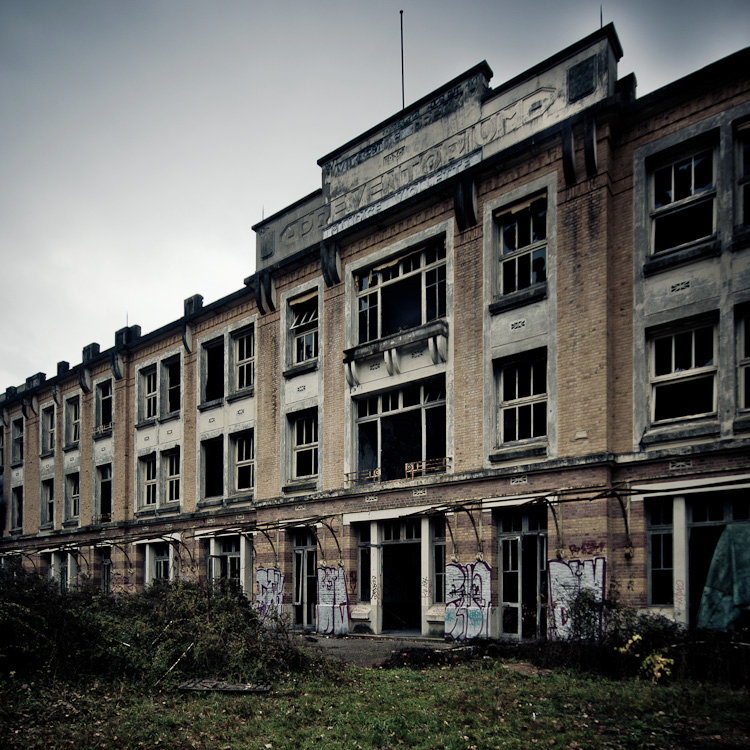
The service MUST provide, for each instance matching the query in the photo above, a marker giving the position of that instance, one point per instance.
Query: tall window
(104, 493)
(149, 393)
(148, 480)
(684, 194)
(161, 567)
(48, 430)
(438, 560)
(16, 508)
(364, 555)
(304, 328)
(171, 385)
(402, 293)
(171, 463)
(522, 409)
(48, 502)
(160, 389)
(72, 496)
(305, 445)
(244, 359)
(683, 374)
(224, 564)
(213, 370)
(522, 234)
(16, 436)
(73, 420)
(213, 466)
(105, 569)
(401, 433)
(744, 174)
(744, 362)
(104, 406)
(244, 460)
(660, 551)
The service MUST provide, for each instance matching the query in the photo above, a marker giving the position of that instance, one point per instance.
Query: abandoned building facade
(501, 356)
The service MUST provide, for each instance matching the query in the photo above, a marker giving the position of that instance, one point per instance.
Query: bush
(167, 632)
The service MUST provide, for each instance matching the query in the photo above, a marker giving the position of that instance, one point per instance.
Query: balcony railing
(414, 469)
(365, 476)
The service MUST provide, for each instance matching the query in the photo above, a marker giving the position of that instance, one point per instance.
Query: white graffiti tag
(467, 606)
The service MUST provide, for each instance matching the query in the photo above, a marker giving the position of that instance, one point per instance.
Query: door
(305, 580)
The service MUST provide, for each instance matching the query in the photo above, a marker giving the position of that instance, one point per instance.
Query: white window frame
(149, 393)
(304, 328)
(104, 406)
(101, 480)
(73, 420)
(149, 480)
(511, 255)
(304, 440)
(17, 430)
(674, 207)
(72, 496)
(415, 261)
(511, 368)
(243, 450)
(243, 351)
(172, 475)
(47, 511)
(171, 386)
(682, 375)
(47, 430)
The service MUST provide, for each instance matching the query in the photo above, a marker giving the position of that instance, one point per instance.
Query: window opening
(150, 400)
(244, 360)
(402, 293)
(213, 361)
(304, 549)
(172, 378)
(683, 201)
(744, 362)
(172, 464)
(104, 475)
(148, 465)
(161, 563)
(744, 172)
(683, 374)
(304, 329)
(364, 560)
(16, 508)
(244, 446)
(105, 569)
(438, 560)
(523, 398)
(661, 550)
(402, 574)
(213, 467)
(73, 487)
(17, 441)
(305, 445)
(225, 564)
(523, 246)
(48, 501)
(48, 429)
(104, 406)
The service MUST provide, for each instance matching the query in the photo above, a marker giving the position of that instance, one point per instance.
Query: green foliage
(167, 632)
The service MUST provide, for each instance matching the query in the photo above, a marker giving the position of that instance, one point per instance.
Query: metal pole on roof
(403, 100)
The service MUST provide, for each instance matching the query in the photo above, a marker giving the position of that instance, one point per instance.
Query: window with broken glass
(212, 458)
(364, 560)
(16, 441)
(16, 508)
(171, 463)
(683, 201)
(522, 389)
(224, 564)
(161, 569)
(522, 238)
(401, 433)
(48, 430)
(303, 328)
(401, 294)
(683, 374)
(103, 406)
(213, 370)
(171, 386)
(149, 398)
(104, 493)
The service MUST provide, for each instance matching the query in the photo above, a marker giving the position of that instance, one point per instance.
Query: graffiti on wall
(567, 579)
(269, 584)
(332, 609)
(467, 600)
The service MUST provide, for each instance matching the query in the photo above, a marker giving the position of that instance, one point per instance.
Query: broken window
(303, 313)
(244, 359)
(16, 508)
(104, 406)
(104, 493)
(244, 461)
(683, 374)
(72, 496)
(744, 362)
(73, 420)
(684, 194)
(213, 466)
(48, 502)
(161, 563)
(522, 389)
(660, 550)
(364, 561)
(48, 430)
(522, 235)
(304, 547)
(171, 464)
(148, 405)
(304, 444)
(148, 481)
(402, 293)
(213, 370)
(401, 433)
(16, 431)
(171, 385)
(224, 563)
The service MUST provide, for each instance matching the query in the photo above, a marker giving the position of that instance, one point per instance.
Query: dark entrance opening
(401, 589)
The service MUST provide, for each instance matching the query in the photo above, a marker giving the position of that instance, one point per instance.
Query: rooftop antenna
(403, 101)
(601, 18)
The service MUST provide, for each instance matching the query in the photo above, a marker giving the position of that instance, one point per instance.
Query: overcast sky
(141, 139)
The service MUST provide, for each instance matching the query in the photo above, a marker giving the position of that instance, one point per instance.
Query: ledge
(208, 405)
(742, 423)
(667, 259)
(46, 454)
(673, 433)
(46, 526)
(71, 523)
(403, 338)
(519, 452)
(145, 513)
(165, 510)
(16, 464)
(236, 499)
(300, 486)
(169, 417)
(210, 502)
(145, 423)
(101, 434)
(309, 366)
(519, 299)
(244, 393)
(71, 447)
(741, 238)
(16, 532)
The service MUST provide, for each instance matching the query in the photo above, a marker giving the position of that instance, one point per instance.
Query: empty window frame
(160, 389)
(212, 456)
(364, 561)
(103, 406)
(403, 293)
(72, 496)
(16, 438)
(437, 530)
(212, 354)
(243, 348)
(104, 493)
(660, 551)
(743, 172)
(683, 373)
(73, 420)
(304, 428)
(48, 502)
(522, 398)
(683, 198)
(171, 386)
(48, 430)
(303, 328)
(161, 563)
(243, 446)
(744, 362)
(16, 508)
(225, 561)
(402, 432)
(522, 245)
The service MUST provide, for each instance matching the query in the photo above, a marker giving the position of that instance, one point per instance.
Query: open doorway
(401, 575)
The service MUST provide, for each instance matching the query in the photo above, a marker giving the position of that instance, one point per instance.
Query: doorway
(402, 575)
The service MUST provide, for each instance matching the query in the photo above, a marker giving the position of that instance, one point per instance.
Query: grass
(481, 705)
